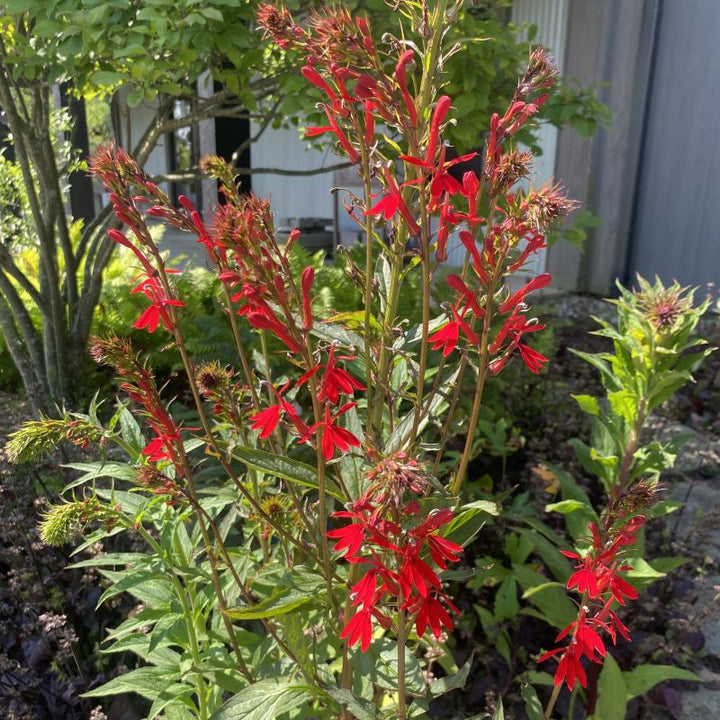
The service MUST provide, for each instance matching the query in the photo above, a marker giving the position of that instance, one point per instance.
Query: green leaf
(135, 97)
(506, 602)
(130, 430)
(533, 706)
(284, 601)
(212, 14)
(469, 521)
(639, 680)
(146, 681)
(565, 507)
(612, 692)
(642, 573)
(588, 404)
(500, 712)
(106, 77)
(539, 588)
(265, 700)
(624, 403)
(360, 709)
(283, 467)
(379, 665)
(552, 603)
(453, 682)
(110, 469)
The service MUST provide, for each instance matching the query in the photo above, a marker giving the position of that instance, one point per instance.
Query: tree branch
(195, 174)
(35, 388)
(8, 264)
(21, 319)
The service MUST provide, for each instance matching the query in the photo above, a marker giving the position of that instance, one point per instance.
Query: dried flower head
(541, 73)
(546, 206)
(277, 23)
(512, 167)
(212, 379)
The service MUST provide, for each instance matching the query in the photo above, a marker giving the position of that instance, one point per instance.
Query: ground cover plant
(306, 519)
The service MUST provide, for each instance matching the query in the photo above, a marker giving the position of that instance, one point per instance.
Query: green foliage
(654, 355)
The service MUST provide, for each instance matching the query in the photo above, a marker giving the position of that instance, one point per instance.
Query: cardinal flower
(333, 436)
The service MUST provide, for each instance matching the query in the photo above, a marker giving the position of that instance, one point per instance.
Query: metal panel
(677, 212)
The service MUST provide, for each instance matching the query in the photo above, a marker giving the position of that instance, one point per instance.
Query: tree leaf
(264, 700)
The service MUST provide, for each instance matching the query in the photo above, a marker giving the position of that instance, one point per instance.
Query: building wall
(611, 42)
(292, 196)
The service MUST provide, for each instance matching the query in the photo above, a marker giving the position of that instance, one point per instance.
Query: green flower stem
(401, 639)
(369, 235)
(551, 702)
(249, 376)
(426, 281)
(181, 595)
(479, 386)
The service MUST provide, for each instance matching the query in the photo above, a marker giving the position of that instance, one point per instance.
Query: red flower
(447, 336)
(155, 313)
(391, 203)
(336, 381)
(266, 420)
(432, 614)
(333, 436)
(359, 627)
(159, 447)
(532, 358)
(349, 537)
(416, 574)
(569, 668)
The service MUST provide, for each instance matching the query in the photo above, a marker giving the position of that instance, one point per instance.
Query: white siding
(296, 196)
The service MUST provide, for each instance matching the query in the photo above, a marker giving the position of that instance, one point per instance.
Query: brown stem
(591, 693)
